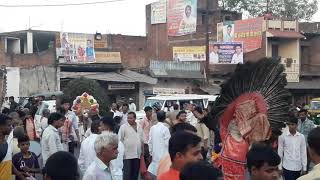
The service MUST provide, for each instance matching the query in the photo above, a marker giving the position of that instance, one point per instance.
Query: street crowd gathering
(249, 132)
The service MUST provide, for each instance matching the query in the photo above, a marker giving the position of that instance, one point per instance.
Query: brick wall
(27, 60)
(132, 50)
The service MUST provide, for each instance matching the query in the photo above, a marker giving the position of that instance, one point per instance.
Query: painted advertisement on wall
(225, 53)
(182, 17)
(76, 48)
(248, 31)
(159, 12)
(189, 53)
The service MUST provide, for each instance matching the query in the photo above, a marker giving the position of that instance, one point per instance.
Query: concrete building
(308, 86)
(29, 58)
(119, 62)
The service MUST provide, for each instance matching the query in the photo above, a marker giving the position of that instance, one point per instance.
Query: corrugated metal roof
(176, 74)
(139, 77)
(124, 76)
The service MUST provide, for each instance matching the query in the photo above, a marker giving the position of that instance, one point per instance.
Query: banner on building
(168, 91)
(76, 48)
(159, 12)
(248, 31)
(189, 53)
(225, 52)
(182, 17)
(108, 57)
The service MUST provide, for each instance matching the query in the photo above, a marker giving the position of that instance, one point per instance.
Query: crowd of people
(169, 145)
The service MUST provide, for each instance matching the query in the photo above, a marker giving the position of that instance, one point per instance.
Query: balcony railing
(177, 66)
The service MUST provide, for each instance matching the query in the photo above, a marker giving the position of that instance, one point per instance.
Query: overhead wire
(57, 5)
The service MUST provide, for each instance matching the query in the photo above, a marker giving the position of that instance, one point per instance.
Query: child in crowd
(26, 161)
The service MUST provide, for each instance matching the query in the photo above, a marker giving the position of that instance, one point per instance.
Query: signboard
(182, 17)
(225, 52)
(168, 91)
(120, 86)
(248, 31)
(108, 57)
(76, 48)
(189, 53)
(101, 44)
(159, 12)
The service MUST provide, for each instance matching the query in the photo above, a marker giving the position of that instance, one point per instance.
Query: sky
(119, 17)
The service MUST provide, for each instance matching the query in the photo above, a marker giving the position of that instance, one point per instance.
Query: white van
(167, 101)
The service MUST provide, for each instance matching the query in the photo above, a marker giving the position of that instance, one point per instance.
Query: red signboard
(249, 32)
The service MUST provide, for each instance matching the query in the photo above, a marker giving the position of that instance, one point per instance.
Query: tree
(78, 86)
(291, 9)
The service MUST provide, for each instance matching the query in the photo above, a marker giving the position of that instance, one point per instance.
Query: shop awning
(284, 34)
(304, 84)
(123, 76)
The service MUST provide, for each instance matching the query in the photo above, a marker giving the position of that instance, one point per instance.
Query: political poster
(189, 53)
(159, 12)
(228, 31)
(225, 52)
(76, 48)
(248, 31)
(182, 17)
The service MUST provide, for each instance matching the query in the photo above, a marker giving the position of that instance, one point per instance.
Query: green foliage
(293, 9)
(77, 87)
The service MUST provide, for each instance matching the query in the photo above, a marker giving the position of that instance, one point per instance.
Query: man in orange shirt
(165, 162)
(184, 148)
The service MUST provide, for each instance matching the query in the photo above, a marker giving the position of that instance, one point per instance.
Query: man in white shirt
(214, 55)
(292, 150)
(42, 123)
(158, 143)
(132, 105)
(106, 147)
(107, 124)
(50, 141)
(115, 110)
(124, 115)
(237, 56)
(87, 153)
(131, 135)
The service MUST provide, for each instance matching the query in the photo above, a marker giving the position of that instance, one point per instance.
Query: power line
(58, 5)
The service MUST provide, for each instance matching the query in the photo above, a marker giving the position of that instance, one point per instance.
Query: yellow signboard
(108, 57)
(189, 53)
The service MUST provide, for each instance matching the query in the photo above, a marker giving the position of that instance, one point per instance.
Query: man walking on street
(124, 114)
(146, 124)
(106, 147)
(87, 152)
(292, 150)
(70, 130)
(132, 106)
(158, 143)
(131, 135)
(50, 141)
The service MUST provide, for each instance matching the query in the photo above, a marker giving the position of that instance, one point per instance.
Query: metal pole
(207, 42)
